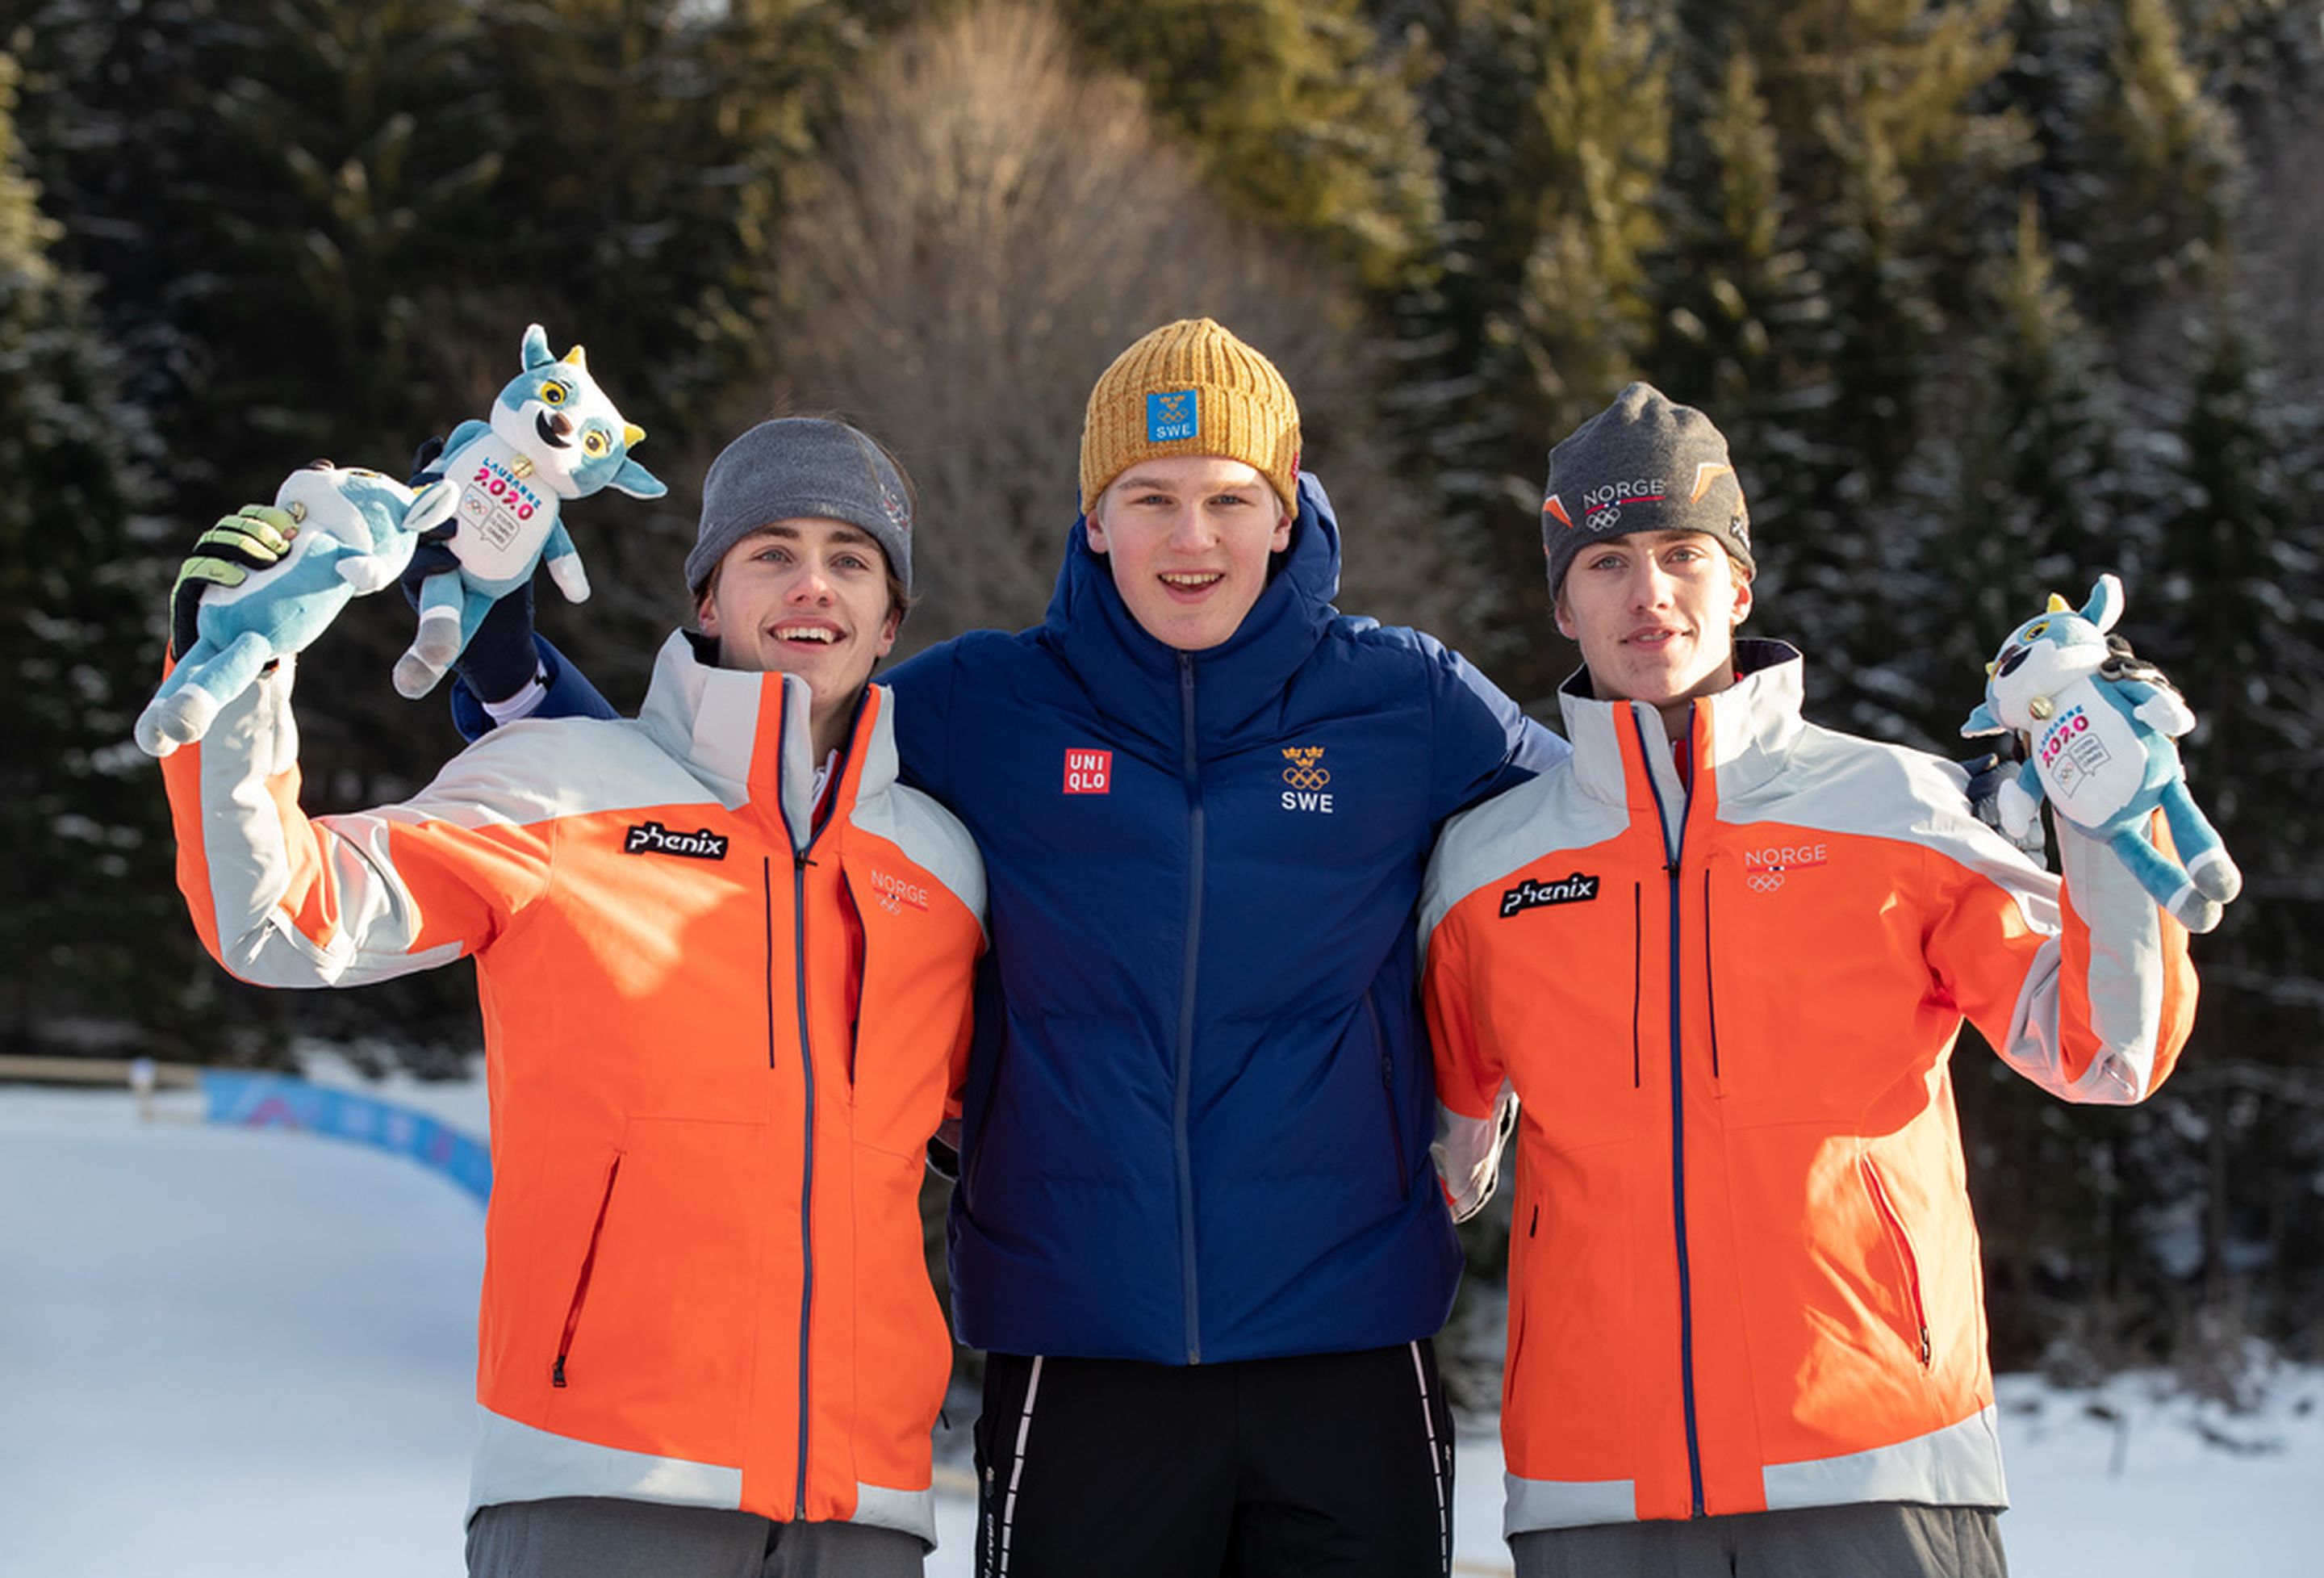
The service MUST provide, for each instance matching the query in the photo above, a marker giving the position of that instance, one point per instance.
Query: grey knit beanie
(1641, 464)
(800, 466)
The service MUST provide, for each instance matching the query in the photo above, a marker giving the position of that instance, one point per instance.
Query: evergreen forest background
(1988, 295)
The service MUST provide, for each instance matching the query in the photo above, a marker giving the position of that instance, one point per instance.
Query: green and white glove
(253, 538)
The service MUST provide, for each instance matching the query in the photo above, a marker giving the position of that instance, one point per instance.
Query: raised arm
(281, 899)
(2090, 994)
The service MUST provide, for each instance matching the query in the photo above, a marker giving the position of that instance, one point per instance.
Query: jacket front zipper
(581, 1282)
(1673, 847)
(1192, 768)
(806, 1166)
(801, 849)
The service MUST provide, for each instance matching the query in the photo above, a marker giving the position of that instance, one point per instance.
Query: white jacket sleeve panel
(281, 900)
(2099, 997)
(1476, 1105)
(2082, 986)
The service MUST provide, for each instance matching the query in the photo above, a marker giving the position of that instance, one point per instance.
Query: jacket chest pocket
(1580, 1008)
(1808, 950)
(908, 950)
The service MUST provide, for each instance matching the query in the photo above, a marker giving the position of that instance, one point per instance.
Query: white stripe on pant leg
(1435, 1462)
(1017, 1466)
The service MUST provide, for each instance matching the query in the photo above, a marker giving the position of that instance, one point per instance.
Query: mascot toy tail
(553, 436)
(2100, 729)
(353, 532)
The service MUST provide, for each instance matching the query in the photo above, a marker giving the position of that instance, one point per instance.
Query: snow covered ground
(249, 1354)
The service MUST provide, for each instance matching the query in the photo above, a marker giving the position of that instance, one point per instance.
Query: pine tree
(352, 152)
(1551, 122)
(90, 940)
(2237, 604)
(1732, 287)
(652, 143)
(2009, 498)
(1892, 169)
(2168, 162)
(268, 197)
(321, 228)
(2262, 60)
(1744, 323)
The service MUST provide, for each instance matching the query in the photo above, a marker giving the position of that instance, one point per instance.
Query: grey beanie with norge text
(1643, 464)
(799, 467)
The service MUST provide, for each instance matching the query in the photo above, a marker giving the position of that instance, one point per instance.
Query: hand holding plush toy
(553, 436)
(2099, 727)
(345, 532)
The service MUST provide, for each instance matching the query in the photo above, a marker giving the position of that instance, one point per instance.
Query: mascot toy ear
(2105, 605)
(536, 348)
(637, 482)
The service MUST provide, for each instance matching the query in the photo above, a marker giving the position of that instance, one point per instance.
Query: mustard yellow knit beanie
(1191, 388)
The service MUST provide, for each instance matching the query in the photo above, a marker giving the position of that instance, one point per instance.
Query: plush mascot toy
(2099, 727)
(553, 436)
(353, 533)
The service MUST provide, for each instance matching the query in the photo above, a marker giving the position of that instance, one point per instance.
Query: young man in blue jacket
(1196, 1228)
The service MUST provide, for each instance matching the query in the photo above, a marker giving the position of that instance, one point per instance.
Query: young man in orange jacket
(725, 962)
(1717, 963)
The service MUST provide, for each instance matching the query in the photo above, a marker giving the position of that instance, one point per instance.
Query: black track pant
(1335, 1465)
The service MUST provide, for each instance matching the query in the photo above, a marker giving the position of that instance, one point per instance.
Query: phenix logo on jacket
(713, 1076)
(1743, 1271)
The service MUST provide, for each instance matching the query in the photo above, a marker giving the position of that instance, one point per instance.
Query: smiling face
(1655, 614)
(1188, 538)
(810, 597)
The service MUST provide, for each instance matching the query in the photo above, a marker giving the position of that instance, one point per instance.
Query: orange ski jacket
(1743, 1271)
(718, 1035)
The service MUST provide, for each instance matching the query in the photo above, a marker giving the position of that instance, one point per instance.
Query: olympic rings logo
(1307, 770)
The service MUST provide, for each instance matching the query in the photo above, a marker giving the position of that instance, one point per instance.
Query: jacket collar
(1133, 679)
(1741, 736)
(745, 735)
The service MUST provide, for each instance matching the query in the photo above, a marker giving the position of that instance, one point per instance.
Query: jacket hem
(1957, 1466)
(521, 1462)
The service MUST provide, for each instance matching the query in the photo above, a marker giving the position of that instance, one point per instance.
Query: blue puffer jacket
(1198, 1113)
(1199, 1105)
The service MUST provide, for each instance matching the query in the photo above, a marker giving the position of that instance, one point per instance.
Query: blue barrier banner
(274, 1101)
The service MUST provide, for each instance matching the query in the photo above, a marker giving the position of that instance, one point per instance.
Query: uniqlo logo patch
(1089, 772)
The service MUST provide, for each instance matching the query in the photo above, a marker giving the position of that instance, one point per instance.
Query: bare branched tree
(994, 221)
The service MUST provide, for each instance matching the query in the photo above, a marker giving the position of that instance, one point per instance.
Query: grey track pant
(597, 1537)
(1874, 1539)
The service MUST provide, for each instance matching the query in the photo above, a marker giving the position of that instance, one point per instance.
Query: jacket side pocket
(581, 1281)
